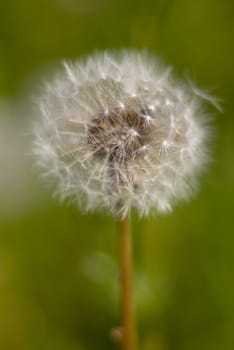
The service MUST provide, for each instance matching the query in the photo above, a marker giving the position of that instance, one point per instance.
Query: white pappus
(119, 131)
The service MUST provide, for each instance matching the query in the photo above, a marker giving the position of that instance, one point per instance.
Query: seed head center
(121, 135)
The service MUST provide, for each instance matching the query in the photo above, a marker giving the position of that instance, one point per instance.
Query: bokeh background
(58, 268)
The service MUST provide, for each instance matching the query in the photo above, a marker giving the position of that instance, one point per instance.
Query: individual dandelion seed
(119, 131)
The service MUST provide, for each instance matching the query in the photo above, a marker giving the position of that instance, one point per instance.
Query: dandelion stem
(129, 341)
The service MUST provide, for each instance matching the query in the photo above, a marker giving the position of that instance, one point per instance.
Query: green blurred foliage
(58, 268)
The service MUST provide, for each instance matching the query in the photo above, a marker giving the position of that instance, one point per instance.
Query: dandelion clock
(118, 132)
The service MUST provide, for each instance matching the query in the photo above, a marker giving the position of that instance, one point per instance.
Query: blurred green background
(58, 268)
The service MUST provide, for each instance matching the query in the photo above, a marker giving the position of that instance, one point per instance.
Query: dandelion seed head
(119, 131)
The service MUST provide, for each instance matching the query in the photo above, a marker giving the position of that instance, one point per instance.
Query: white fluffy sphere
(118, 131)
